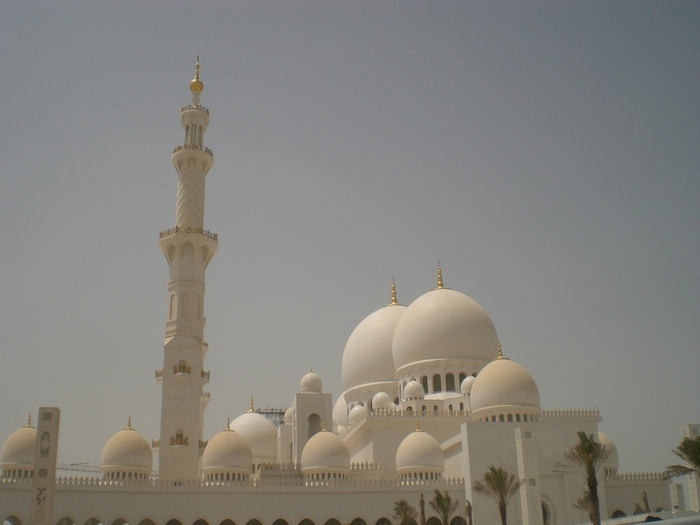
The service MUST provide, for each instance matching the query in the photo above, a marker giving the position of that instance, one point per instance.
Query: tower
(188, 248)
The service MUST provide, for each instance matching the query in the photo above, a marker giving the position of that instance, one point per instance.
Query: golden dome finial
(196, 84)
(29, 420)
(394, 300)
(500, 352)
(128, 423)
(251, 408)
(440, 284)
(417, 426)
(325, 428)
(228, 423)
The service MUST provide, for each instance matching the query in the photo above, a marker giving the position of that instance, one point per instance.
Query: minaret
(188, 248)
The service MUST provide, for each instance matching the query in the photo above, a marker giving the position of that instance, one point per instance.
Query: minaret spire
(394, 300)
(440, 284)
(188, 249)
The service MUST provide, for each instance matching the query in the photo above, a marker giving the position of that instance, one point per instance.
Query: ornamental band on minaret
(188, 248)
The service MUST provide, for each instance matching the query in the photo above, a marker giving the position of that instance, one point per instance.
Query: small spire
(417, 426)
(312, 369)
(251, 408)
(393, 292)
(29, 420)
(228, 423)
(440, 284)
(128, 423)
(325, 429)
(500, 352)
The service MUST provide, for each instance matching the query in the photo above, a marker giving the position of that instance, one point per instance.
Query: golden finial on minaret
(440, 284)
(393, 292)
(251, 408)
(417, 426)
(196, 84)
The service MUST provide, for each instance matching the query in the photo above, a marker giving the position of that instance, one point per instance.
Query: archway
(618, 514)
(432, 520)
(119, 521)
(254, 522)
(383, 521)
(65, 521)
(545, 514)
(306, 521)
(174, 522)
(332, 521)
(280, 522)
(358, 521)
(12, 520)
(458, 520)
(227, 522)
(314, 428)
(201, 522)
(92, 521)
(147, 522)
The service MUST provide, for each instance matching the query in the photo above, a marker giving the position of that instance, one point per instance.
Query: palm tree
(584, 503)
(584, 458)
(499, 485)
(444, 505)
(405, 513)
(689, 451)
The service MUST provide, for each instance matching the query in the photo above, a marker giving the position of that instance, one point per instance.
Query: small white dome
(381, 400)
(341, 429)
(413, 390)
(613, 461)
(340, 412)
(356, 413)
(127, 451)
(228, 451)
(18, 449)
(419, 452)
(260, 434)
(467, 385)
(311, 383)
(323, 453)
(368, 357)
(289, 416)
(443, 324)
(504, 383)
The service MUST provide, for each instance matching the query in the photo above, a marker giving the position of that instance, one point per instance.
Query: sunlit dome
(504, 383)
(325, 453)
(340, 412)
(419, 452)
(18, 449)
(413, 390)
(260, 434)
(443, 324)
(382, 400)
(311, 383)
(613, 461)
(368, 353)
(467, 385)
(356, 413)
(127, 451)
(227, 452)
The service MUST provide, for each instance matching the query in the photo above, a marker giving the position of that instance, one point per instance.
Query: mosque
(430, 402)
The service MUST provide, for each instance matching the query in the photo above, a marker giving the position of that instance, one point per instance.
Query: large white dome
(368, 353)
(443, 324)
(503, 383)
(127, 451)
(419, 452)
(340, 412)
(325, 453)
(613, 461)
(260, 434)
(18, 449)
(227, 452)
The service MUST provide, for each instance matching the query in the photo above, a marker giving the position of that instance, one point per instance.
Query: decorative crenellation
(194, 146)
(187, 229)
(637, 476)
(569, 413)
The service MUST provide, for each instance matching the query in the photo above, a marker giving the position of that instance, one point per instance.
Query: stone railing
(194, 146)
(177, 229)
(192, 106)
(637, 476)
(565, 413)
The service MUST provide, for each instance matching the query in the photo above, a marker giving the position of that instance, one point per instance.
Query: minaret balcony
(205, 374)
(176, 229)
(179, 440)
(155, 443)
(195, 147)
(159, 377)
(192, 106)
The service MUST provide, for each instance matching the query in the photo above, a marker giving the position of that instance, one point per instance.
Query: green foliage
(585, 458)
(405, 513)
(499, 485)
(444, 506)
(689, 451)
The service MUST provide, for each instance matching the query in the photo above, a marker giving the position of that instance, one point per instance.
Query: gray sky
(546, 153)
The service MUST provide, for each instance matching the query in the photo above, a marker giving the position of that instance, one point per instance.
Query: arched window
(437, 383)
(449, 383)
(510, 418)
(424, 381)
(462, 377)
(517, 417)
(171, 311)
(184, 306)
(501, 418)
(314, 425)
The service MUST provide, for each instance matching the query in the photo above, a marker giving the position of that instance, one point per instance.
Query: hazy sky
(547, 154)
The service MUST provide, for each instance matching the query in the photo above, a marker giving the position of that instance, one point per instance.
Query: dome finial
(128, 422)
(251, 408)
(196, 84)
(417, 426)
(393, 292)
(325, 428)
(228, 423)
(440, 284)
(29, 420)
(500, 352)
